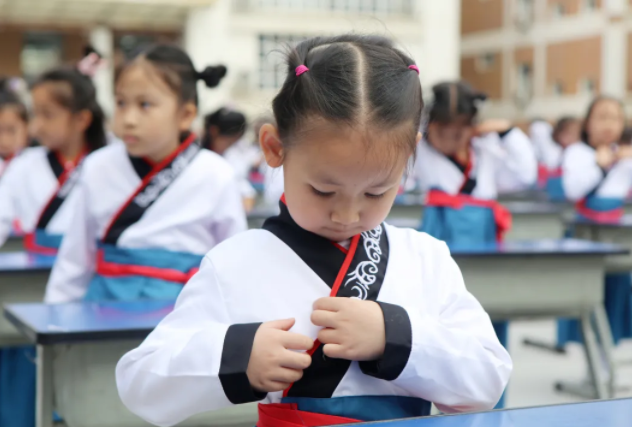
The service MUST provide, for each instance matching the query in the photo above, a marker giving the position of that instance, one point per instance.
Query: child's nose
(345, 216)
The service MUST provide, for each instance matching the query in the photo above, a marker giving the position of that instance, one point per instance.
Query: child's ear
(188, 113)
(271, 145)
(418, 138)
(84, 119)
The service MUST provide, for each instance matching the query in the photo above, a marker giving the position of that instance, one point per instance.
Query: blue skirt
(618, 302)
(17, 386)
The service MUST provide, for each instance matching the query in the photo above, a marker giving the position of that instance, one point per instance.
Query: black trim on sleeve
(505, 132)
(399, 342)
(235, 359)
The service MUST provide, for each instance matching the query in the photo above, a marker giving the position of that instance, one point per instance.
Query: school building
(545, 58)
(246, 35)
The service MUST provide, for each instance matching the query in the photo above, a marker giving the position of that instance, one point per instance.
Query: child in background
(150, 208)
(13, 128)
(224, 134)
(463, 166)
(388, 341)
(39, 190)
(597, 176)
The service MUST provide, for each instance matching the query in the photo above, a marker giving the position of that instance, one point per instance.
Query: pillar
(102, 40)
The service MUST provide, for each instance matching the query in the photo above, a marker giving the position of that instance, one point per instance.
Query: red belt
(543, 174)
(111, 269)
(288, 415)
(31, 246)
(599, 216)
(502, 216)
(555, 173)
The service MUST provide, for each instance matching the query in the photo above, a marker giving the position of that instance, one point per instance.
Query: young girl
(260, 321)
(463, 167)
(597, 176)
(551, 143)
(142, 232)
(38, 190)
(224, 132)
(38, 187)
(13, 128)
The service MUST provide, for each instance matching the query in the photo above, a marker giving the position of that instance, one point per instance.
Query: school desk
(546, 279)
(78, 346)
(23, 278)
(619, 232)
(13, 244)
(531, 219)
(605, 413)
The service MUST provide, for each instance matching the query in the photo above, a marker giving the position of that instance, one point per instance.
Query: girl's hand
(493, 125)
(273, 366)
(605, 156)
(353, 328)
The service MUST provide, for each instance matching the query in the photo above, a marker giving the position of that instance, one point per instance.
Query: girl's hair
(452, 100)
(626, 136)
(591, 107)
(561, 126)
(176, 69)
(228, 122)
(8, 99)
(351, 79)
(76, 92)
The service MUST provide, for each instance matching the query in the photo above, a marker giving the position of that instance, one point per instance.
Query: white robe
(26, 187)
(498, 165)
(548, 151)
(456, 360)
(581, 174)
(200, 209)
(242, 156)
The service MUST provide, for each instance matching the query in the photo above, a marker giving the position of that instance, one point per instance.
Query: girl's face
(334, 186)
(54, 126)
(450, 138)
(13, 132)
(570, 134)
(149, 117)
(221, 143)
(606, 123)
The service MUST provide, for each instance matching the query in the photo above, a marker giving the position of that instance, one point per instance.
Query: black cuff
(505, 132)
(235, 359)
(399, 342)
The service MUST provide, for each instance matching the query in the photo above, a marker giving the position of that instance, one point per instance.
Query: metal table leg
(593, 356)
(44, 396)
(607, 345)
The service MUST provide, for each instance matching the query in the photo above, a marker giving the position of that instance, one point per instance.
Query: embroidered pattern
(365, 273)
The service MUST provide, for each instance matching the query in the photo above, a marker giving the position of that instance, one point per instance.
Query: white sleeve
(175, 373)
(9, 184)
(456, 360)
(75, 264)
(517, 167)
(229, 217)
(580, 172)
(549, 151)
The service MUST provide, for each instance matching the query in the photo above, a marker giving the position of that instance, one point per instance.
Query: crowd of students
(261, 315)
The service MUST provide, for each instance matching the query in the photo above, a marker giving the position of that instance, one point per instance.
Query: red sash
(288, 415)
(599, 216)
(543, 175)
(502, 216)
(111, 269)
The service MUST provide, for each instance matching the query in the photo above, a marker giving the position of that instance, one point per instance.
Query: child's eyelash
(374, 196)
(321, 194)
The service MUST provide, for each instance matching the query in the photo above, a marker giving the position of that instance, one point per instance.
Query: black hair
(8, 99)
(352, 79)
(626, 136)
(452, 100)
(228, 122)
(591, 107)
(81, 96)
(561, 126)
(177, 70)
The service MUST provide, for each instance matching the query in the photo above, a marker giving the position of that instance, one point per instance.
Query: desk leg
(607, 344)
(44, 403)
(592, 355)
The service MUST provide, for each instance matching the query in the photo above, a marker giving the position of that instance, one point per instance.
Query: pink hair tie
(301, 69)
(414, 67)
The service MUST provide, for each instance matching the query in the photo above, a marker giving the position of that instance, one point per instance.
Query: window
(41, 51)
(485, 62)
(558, 88)
(587, 86)
(558, 10)
(590, 5)
(525, 81)
(272, 69)
(379, 7)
